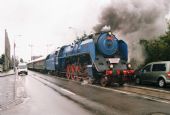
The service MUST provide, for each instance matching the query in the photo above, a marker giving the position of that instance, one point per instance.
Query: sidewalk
(7, 90)
(10, 72)
(11, 89)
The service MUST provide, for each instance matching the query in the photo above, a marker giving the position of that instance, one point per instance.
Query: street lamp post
(30, 45)
(14, 57)
(14, 53)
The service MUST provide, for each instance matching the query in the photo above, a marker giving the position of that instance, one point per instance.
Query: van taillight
(168, 75)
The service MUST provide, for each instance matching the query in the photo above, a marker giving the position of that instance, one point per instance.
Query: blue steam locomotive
(99, 57)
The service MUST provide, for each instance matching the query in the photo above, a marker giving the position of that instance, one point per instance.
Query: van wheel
(161, 83)
(138, 81)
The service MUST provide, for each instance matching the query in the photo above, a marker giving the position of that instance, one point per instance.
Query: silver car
(155, 72)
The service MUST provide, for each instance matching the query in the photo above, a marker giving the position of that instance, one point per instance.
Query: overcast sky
(45, 23)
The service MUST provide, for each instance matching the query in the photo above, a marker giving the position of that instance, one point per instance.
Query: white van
(22, 68)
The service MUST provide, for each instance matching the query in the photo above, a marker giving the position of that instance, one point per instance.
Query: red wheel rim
(72, 72)
(68, 72)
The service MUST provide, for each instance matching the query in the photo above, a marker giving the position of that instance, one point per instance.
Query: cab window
(147, 68)
(48, 57)
(159, 67)
(56, 52)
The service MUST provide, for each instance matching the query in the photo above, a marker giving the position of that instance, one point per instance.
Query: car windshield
(147, 68)
(22, 66)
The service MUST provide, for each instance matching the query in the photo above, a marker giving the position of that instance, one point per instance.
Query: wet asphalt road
(123, 104)
(47, 97)
(42, 100)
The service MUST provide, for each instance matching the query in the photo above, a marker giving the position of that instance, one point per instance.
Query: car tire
(121, 84)
(138, 81)
(161, 83)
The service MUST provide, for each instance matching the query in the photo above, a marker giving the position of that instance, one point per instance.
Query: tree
(159, 49)
(2, 59)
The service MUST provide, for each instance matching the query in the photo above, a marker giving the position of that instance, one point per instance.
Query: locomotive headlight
(110, 33)
(111, 66)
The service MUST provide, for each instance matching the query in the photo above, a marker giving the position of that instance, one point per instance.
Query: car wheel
(161, 83)
(121, 84)
(138, 81)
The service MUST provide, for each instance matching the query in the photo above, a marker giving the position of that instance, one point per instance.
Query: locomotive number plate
(113, 60)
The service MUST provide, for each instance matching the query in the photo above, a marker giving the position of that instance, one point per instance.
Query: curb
(7, 75)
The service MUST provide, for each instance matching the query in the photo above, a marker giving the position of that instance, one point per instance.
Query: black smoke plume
(134, 20)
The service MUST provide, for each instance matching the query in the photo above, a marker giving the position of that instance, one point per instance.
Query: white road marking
(67, 91)
(20, 91)
(154, 99)
(140, 87)
(133, 94)
(51, 84)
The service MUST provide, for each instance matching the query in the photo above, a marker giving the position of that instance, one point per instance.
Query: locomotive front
(110, 52)
(111, 58)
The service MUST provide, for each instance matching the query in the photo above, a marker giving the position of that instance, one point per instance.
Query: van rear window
(159, 67)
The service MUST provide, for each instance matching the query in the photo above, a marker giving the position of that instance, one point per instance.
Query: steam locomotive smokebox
(107, 44)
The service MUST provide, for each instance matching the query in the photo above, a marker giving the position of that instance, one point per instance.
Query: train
(96, 58)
